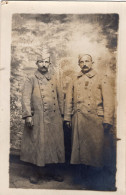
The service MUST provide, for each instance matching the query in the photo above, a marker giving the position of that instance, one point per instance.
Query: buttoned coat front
(44, 143)
(89, 103)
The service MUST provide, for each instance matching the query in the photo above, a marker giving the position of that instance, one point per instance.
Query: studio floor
(19, 173)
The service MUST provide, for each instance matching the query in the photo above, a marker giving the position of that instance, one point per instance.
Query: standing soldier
(90, 109)
(43, 140)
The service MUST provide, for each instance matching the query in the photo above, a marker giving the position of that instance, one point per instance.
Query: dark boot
(34, 178)
(58, 178)
(53, 173)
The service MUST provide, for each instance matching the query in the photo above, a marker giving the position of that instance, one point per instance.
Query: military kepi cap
(43, 54)
(84, 54)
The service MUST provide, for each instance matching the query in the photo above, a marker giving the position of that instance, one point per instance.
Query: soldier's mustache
(85, 66)
(44, 67)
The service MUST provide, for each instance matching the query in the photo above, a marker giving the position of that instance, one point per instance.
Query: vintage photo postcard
(62, 97)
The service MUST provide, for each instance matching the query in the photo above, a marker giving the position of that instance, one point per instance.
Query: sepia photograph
(63, 91)
(63, 131)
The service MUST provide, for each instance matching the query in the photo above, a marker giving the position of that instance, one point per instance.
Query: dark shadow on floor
(76, 177)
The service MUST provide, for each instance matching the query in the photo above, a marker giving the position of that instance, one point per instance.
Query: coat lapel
(89, 74)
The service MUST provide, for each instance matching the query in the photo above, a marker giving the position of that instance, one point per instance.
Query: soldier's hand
(68, 124)
(29, 122)
(107, 127)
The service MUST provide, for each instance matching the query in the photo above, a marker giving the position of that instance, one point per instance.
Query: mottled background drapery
(66, 36)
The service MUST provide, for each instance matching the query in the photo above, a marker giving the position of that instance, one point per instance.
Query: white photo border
(6, 11)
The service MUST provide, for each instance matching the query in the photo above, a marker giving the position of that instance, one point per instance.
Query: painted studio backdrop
(66, 36)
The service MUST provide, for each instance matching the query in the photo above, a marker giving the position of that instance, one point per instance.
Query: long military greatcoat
(90, 102)
(44, 143)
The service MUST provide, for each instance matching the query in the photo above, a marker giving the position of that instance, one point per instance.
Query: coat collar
(41, 76)
(89, 74)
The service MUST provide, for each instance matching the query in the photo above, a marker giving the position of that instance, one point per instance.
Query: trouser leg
(67, 143)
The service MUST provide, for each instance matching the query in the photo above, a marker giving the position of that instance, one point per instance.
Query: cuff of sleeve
(26, 114)
(109, 121)
(26, 117)
(67, 118)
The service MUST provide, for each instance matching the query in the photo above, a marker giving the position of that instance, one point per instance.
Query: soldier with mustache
(43, 138)
(89, 109)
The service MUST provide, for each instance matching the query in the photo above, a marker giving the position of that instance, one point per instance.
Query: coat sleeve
(69, 102)
(108, 99)
(60, 96)
(26, 98)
